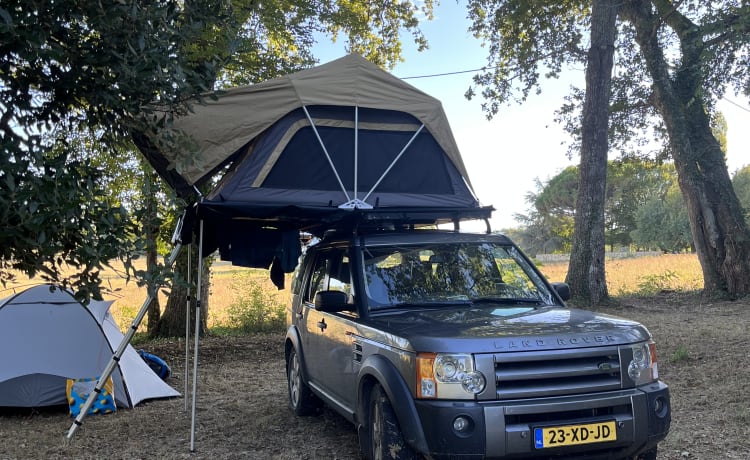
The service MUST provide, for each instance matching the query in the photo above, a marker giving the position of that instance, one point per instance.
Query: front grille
(557, 373)
(537, 418)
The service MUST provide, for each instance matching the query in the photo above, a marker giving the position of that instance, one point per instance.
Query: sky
(504, 156)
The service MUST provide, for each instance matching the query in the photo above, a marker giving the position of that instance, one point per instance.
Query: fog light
(461, 424)
(660, 407)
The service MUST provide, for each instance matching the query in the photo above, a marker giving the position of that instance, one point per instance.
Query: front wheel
(302, 401)
(385, 438)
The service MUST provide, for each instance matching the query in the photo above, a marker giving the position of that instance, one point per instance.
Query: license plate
(573, 435)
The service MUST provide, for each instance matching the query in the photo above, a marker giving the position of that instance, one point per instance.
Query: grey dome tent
(47, 337)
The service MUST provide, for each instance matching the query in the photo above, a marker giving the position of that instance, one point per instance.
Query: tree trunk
(172, 322)
(586, 274)
(150, 231)
(720, 234)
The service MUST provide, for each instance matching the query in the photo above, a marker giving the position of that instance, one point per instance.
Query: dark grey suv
(440, 344)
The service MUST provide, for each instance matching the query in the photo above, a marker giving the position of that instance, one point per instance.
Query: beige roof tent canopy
(220, 128)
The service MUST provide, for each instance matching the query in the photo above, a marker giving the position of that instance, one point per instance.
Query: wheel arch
(378, 370)
(293, 341)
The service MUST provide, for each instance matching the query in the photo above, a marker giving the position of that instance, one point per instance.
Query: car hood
(504, 329)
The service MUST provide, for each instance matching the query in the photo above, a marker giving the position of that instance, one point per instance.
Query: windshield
(450, 273)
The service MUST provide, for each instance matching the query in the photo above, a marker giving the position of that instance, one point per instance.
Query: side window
(318, 280)
(331, 272)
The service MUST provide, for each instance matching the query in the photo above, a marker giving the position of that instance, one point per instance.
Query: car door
(327, 337)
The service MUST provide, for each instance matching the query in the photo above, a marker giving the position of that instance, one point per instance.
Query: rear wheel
(385, 438)
(302, 401)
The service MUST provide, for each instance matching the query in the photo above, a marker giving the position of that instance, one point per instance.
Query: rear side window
(331, 272)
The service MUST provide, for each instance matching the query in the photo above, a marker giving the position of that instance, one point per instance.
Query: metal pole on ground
(120, 349)
(197, 334)
(187, 327)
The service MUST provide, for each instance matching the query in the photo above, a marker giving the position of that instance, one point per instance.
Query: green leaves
(56, 224)
(75, 77)
(528, 42)
(638, 192)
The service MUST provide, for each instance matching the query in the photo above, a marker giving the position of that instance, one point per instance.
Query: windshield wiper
(508, 300)
(425, 304)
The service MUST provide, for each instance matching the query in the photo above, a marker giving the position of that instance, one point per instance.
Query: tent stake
(118, 354)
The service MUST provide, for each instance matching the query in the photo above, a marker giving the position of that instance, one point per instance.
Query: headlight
(643, 368)
(448, 376)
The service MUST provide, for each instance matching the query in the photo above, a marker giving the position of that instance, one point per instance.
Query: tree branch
(725, 27)
(669, 13)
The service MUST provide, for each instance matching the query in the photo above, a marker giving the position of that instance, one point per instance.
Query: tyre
(302, 401)
(386, 442)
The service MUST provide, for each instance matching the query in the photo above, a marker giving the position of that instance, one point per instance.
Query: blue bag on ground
(158, 365)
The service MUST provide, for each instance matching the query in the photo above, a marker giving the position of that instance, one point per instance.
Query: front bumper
(506, 429)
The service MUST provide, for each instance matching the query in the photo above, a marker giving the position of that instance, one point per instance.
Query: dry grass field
(625, 277)
(644, 275)
(704, 356)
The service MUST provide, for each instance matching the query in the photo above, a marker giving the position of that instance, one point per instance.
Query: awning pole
(197, 334)
(120, 349)
(187, 326)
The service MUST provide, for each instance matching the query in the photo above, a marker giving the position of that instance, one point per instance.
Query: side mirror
(563, 290)
(332, 301)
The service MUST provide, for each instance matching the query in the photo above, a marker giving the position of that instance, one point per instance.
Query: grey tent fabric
(47, 337)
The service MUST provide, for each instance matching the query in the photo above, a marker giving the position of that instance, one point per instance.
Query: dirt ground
(704, 355)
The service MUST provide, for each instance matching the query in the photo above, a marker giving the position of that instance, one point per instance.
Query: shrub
(256, 308)
(659, 282)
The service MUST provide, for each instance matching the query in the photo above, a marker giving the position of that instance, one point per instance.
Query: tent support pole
(325, 151)
(187, 325)
(197, 335)
(400, 154)
(120, 350)
(356, 151)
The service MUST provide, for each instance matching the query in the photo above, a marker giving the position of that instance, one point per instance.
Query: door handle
(322, 325)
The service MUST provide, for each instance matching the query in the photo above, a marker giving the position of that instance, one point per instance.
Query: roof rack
(401, 218)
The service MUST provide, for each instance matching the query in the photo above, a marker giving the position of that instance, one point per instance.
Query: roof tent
(331, 145)
(298, 149)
